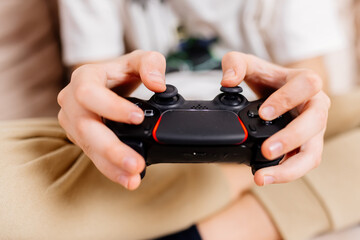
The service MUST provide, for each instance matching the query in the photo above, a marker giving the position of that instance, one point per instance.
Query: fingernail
(276, 149)
(123, 180)
(129, 164)
(268, 180)
(156, 76)
(229, 74)
(268, 112)
(136, 117)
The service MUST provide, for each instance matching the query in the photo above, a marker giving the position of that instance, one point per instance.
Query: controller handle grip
(142, 174)
(259, 161)
(139, 147)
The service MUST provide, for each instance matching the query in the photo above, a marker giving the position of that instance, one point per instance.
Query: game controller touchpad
(194, 127)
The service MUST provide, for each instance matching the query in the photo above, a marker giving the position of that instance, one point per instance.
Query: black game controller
(226, 129)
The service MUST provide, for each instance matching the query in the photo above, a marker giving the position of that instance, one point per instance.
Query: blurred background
(32, 71)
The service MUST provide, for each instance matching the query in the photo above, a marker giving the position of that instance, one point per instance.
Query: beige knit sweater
(50, 190)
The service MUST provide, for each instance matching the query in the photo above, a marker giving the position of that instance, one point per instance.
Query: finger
(149, 66)
(118, 175)
(63, 119)
(115, 160)
(104, 102)
(152, 71)
(301, 85)
(133, 182)
(299, 130)
(294, 167)
(239, 66)
(90, 81)
(112, 157)
(101, 141)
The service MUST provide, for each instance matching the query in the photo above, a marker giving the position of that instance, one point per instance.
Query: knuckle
(286, 101)
(294, 139)
(313, 80)
(87, 149)
(78, 72)
(110, 153)
(61, 118)
(81, 128)
(83, 72)
(152, 56)
(317, 161)
(287, 145)
(327, 100)
(285, 176)
(322, 117)
(61, 97)
(137, 52)
(292, 172)
(82, 91)
(113, 154)
(233, 56)
(250, 57)
(127, 66)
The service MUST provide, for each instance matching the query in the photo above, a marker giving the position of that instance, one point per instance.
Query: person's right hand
(302, 140)
(88, 97)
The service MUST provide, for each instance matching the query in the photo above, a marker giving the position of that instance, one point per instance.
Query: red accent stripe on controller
(245, 131)
(155, 129)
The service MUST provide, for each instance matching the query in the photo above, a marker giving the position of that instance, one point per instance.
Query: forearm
(245, 218)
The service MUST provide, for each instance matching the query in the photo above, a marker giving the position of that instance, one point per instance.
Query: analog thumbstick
(231, 96)
(231, 90)
(170, 96)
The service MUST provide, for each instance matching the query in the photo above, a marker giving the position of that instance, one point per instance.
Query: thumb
(152, 71)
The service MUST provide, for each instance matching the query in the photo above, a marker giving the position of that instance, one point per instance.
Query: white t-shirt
(282, 31)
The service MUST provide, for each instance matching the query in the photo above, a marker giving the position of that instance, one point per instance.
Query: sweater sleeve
(325, 199)
(48, 184)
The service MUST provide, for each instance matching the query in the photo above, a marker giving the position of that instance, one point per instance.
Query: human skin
(302, 139)
(245, 216)
(88, 96)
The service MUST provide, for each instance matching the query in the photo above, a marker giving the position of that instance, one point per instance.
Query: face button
(252, 128)
(148, 112)
(252, 114)
(267, 122)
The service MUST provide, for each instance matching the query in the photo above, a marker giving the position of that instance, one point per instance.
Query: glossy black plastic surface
(225, 129)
